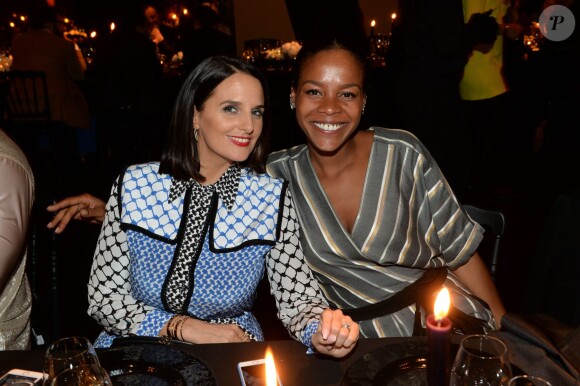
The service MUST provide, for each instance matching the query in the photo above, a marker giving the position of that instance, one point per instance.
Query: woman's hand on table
(336, 335)
(84, 207)
(198, 331)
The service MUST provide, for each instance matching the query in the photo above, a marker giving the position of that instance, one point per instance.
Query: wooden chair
(494, 221)
(27, 97)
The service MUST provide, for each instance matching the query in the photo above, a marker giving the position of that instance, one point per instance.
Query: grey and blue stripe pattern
(408, 221)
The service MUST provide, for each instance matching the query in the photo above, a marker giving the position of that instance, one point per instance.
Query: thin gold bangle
(179, 328)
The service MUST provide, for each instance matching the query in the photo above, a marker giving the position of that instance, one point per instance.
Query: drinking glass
(67, 353)
(482, 360)
(528, 380)
(83, 375)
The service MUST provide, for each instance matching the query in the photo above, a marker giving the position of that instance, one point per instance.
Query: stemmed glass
(528, 380)
(85, 375)
(481, 360)
(68, 353)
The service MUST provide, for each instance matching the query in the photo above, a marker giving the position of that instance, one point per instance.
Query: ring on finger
(346, 325)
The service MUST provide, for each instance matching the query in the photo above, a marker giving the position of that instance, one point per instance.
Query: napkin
(542, 346)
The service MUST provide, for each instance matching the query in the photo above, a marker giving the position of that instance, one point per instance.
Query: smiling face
(229, 124)
(329, 99)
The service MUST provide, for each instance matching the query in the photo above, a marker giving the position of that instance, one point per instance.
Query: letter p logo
(557, 23)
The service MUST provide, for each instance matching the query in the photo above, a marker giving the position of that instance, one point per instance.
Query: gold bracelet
(179, 327)
(175, 325)
(171, 327)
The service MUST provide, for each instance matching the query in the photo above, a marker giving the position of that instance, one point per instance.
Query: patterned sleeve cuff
(307, 334)
(153, 323)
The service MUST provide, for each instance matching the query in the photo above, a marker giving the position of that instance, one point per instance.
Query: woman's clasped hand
(336, 335)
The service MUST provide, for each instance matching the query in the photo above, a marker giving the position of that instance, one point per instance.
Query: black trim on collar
(138, 229)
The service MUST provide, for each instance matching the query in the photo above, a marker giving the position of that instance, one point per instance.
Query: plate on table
(396, 364)
(155, 364)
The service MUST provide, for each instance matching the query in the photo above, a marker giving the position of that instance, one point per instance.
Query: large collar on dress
(226, 186)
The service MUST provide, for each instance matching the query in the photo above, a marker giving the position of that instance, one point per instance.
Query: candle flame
(393, 16)
(373, 23)
(112, 27)
(270, 369)
(442, 304)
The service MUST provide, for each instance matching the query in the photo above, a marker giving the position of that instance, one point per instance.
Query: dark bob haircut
(180, 158)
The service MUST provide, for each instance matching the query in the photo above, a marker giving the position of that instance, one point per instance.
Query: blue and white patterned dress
(172, 247)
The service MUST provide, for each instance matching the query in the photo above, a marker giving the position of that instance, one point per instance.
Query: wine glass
(85, 375)
(528, 380)
(481, 360)
(67, 353)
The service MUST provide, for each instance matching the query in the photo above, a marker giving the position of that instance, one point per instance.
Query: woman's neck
(333, 164)
(213, 173)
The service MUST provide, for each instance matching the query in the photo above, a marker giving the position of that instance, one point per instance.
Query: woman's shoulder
(279, 162)
(252, 177)
(262, 184)
(143, 174)
(401, 138)
(287, 154)
(147, 168)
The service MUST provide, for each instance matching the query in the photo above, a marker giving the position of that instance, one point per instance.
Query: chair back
(49, 145)
(493, 220)
(27, 96)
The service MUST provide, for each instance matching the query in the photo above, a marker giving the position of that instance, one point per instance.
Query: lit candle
(271, 377)
(438, 327)
(373, 23)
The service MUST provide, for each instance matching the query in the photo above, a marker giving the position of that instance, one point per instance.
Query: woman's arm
(16, 199)
(298, 297)
(111, 302)
(475, 275)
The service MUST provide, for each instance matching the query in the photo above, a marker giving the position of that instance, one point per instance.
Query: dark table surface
(294, 365)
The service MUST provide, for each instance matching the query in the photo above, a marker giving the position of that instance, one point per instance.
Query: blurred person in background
(128, 102)
(206, 39)
(164, 36)
(42, 48)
